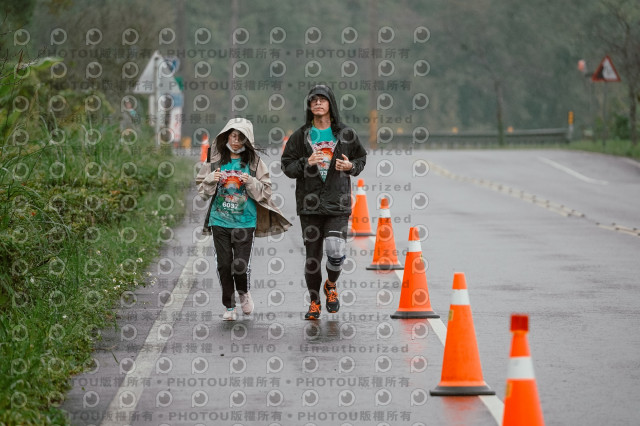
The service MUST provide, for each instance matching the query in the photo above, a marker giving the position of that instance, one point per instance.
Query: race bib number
(232, 194)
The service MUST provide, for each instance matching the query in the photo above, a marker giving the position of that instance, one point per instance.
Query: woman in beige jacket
(238, 183)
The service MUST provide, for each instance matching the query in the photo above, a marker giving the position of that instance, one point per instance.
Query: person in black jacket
(321, 156)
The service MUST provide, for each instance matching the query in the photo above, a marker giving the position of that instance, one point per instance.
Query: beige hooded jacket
(270, 220)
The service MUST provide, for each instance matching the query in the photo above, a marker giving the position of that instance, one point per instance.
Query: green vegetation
(623, 148)
(82, 208)
(82, 204)
(493, 63)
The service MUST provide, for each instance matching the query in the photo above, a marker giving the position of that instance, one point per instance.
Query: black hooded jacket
(313, 196)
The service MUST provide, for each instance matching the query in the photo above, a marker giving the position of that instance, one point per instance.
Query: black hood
(325, 91)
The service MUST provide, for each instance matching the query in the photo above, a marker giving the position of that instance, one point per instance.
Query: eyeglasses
(315, 98)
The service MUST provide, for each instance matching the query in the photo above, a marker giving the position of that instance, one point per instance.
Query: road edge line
(146, 360)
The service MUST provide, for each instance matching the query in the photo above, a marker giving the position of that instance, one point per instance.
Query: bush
(79, 221)
(621, 127)
(622, 148)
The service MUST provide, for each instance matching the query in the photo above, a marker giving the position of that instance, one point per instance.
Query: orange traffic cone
(360, 222)
(461, 370)
(385, 255)
(521, 402)
(204, 148)
(414, 296)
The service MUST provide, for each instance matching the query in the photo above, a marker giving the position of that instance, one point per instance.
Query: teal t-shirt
(232, 207)
(324, 141)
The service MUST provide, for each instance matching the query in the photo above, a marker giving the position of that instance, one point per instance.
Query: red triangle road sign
(606, 71)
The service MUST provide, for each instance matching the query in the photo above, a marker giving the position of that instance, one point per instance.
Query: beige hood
(241, 124)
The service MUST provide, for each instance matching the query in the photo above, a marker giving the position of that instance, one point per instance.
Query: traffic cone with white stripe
(461, 369)
(360, 220)
(414, 295)
(385, 255)
(521, 402)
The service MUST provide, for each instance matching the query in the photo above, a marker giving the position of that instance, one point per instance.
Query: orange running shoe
(314, 311)
(333, 304)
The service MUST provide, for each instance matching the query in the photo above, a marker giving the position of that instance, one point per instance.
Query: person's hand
(343, 165)
(244, 177)
(216, 175)
(316, 158)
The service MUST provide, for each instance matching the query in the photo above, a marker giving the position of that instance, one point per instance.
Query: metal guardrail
(428, 140)
(422, 139)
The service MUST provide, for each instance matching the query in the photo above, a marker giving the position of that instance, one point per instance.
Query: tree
(617, 25)
(480, 46)
(14, 14)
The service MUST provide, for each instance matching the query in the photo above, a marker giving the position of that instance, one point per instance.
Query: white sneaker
(246, 302)
(230, 314)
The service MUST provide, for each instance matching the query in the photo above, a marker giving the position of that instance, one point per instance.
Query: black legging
(315, 228)
(233, 248)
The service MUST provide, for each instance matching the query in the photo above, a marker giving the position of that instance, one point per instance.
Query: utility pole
(373, 112)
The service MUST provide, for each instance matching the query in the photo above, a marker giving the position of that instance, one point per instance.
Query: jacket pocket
(345, 194)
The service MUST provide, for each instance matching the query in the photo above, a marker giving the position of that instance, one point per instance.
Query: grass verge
(622, 148)
(79, 225)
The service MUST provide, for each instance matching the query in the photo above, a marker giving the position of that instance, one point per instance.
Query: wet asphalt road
(548, 233)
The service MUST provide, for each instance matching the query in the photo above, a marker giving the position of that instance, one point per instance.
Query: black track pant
(315, 228)
(233, 247)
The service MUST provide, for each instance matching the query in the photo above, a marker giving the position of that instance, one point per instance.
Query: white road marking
(146, 360)
(531, 198)
(436, 323)
(572, 172)
(495, 406)
(439, 328)
(492, 402)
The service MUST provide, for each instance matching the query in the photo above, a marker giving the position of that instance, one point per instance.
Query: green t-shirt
(323, 140)
(232, 206)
